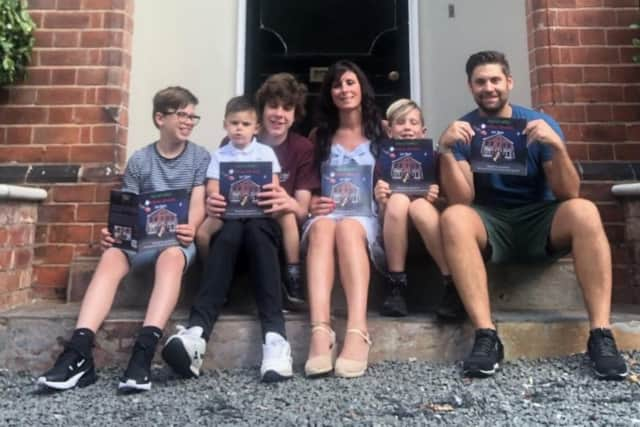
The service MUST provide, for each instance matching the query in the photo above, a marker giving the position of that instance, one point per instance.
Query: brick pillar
(18, 216)
(632, 234)
(582, 74)
(65, 128)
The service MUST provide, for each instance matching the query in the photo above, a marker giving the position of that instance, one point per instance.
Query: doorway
(305, 37)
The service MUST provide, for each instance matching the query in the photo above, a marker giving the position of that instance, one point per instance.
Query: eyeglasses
(184, 117)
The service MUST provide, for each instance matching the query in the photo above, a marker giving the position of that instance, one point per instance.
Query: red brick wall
(17, 230)
(65, 128)
(582, 74)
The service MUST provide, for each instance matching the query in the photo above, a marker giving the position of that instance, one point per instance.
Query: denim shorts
(145, 259)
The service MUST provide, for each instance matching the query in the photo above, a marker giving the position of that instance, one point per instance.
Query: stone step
(31, 337)
(513, 287)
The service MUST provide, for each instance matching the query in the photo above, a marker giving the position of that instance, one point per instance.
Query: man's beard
(491, 111)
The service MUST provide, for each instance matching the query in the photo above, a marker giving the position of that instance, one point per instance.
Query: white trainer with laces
(184, 351)
(276, 358)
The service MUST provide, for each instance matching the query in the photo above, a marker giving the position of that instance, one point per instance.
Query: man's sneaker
(276, 359)
(137, 376)
(451, 308)
(394, 304)
(293, 289)
(72, 368)
(486, 355)
(608, 363)
(184, 351)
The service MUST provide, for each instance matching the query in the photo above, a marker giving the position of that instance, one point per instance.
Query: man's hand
(216, 205)
(382, 192)
(432, 193)
(185, 234)
(321, 205)
(539, 130)
(457, 131)
(106, 239)
(277, 200)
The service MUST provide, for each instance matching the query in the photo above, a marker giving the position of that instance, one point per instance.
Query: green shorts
(520, 234)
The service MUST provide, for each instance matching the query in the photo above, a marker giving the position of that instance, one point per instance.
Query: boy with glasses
(171, 163)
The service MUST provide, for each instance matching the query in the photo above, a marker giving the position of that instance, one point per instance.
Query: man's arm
(560, 172)
(456, 176)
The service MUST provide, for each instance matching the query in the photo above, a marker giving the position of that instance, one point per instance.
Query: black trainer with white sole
(72, 368)
(486, 355)
(137, 376)
(608, 363)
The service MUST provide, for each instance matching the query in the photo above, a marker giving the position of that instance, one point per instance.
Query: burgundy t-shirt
(295, 155)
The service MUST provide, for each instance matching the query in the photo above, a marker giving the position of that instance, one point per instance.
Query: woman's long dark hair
(327, 116)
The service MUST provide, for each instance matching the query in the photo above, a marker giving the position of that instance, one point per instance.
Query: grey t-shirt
(148, 171)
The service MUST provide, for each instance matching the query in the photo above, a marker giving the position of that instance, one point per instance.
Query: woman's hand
(321, 205)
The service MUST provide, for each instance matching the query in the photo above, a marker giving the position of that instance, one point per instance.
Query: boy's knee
(172, 258)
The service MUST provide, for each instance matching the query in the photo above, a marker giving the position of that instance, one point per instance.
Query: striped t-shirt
(147, 170)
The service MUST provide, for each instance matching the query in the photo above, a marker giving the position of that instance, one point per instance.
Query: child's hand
(215, 205)
(321, 205)
(432, 193)
(382, 192)
(276, 199)
(185, 234)
(106, 239)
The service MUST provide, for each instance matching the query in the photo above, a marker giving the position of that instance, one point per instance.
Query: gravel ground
(560, 391)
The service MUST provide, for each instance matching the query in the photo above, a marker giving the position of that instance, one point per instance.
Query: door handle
(393, 76)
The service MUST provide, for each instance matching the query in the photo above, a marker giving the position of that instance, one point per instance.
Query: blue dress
(361, 155)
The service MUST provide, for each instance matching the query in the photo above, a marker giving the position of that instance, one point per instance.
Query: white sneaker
(276, 358)
(184, 351)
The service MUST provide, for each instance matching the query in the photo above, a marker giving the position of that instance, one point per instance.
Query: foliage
(16, 40)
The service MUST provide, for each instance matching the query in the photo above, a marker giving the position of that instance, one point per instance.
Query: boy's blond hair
(401, 107)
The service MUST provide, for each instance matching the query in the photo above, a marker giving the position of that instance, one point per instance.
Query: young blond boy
(405, 121)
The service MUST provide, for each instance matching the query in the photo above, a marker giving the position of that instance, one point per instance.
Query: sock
(82, 339)
(149, 336)
(398, 278)
(447, 280)
(294, 269)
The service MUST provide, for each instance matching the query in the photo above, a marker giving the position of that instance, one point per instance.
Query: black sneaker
(451, 308)
(293, 289)
(394, 304)
(608, 363)
(137, 376)
(72, 368)
(486, 355)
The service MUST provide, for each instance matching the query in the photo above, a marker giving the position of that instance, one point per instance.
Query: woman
(348, 128)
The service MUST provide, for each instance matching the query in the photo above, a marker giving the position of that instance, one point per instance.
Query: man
(536, 217)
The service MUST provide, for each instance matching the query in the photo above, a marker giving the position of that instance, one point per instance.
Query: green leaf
(16, 40)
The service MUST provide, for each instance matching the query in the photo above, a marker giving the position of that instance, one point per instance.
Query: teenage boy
(171, 163)
(537, 217)
(257, 239)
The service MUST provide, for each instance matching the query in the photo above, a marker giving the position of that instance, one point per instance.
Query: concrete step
(513, 287)
(31, 337)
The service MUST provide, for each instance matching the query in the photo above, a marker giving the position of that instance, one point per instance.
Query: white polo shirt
(254, 152)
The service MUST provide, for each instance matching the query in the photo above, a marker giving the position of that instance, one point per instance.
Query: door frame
(414, 49)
